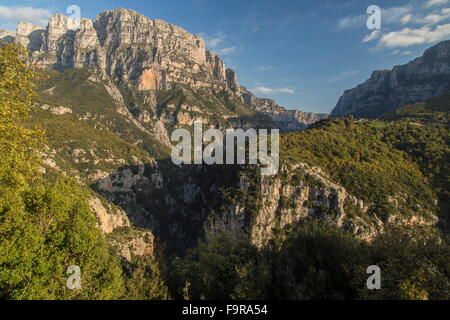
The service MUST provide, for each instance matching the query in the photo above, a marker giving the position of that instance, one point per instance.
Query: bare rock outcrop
(300, 192)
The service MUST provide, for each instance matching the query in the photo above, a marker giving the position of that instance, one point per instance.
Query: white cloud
(433, 3)
(402, 53)
(264, 68)
(15, 14)
(342, 76)
(374, 35)
(227, 50)
(436, 17)
(426, 18)
(407, 25)
(216, 42)
(352, 21)
(213, 42)
(406, 19)
(412, 13)
(408, 37)
(431, 17)
(268, 90)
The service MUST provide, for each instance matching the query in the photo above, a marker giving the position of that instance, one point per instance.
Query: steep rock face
(232, 82)
(88, 51)
(114, 223)
(29, 35)
(387, 90)
(121, 43)
(217, 66)
(296, 193)
(169, 201)
(109, 218)
(287, 203)
(181, 205)
(150, 55)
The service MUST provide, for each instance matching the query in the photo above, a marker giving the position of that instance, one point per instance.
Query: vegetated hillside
(343, 171)
(422, 131)
(309, 238)
(348, 194)
(412, 137)
(363, 176)
(47, 223)
(97, 134)
(400, 167)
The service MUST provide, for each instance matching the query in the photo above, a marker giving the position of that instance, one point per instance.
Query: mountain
(287, 120)
(152, 56)
(118, 86)
(361, 191)
(7, 36)
(387, 90)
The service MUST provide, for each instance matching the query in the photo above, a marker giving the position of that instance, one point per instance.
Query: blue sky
(303, 54)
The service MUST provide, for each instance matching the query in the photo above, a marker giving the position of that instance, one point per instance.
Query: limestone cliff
(150, 55)
(387, 90)
(296, 193)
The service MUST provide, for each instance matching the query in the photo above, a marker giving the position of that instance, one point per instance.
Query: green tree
(44, 227)
(414, 264)
(144, 280)
(221, 268)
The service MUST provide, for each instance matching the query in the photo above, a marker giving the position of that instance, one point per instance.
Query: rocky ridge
(287, 120)
(146, 54)
(386, 90)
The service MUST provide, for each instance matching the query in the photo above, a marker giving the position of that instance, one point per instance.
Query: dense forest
(45, 226)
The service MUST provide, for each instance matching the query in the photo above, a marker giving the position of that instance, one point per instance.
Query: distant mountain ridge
(289, 120)
(149, 55)
(386, 90)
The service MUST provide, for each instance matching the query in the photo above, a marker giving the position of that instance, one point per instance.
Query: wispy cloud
(216, 43)
(264, 68)
(392, 15)
(332, 5)
(402, 53)
(407, 18)
(374, 35)
(10, 16)
(288, 21)
(433, 17)
(433, 3)
(269, 90)
(401, 15)
(342, 76)
(352, 21)
(228, 50)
